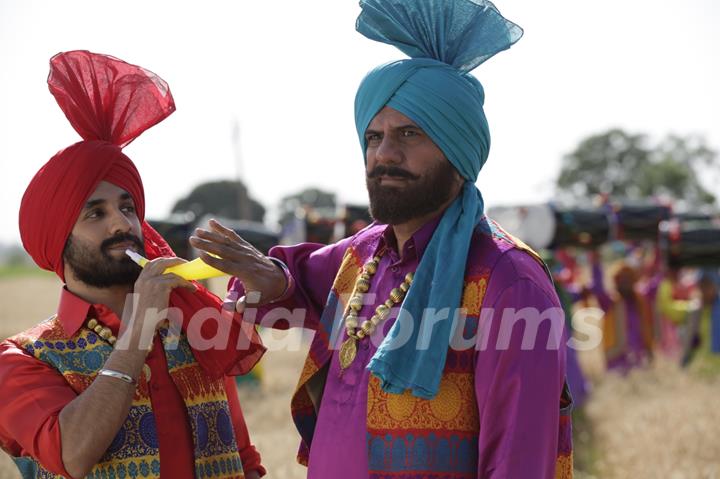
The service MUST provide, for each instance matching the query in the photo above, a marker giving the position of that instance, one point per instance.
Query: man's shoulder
(490, 243)
(370, 233)
(48, 330)
(364, 241)
(506, 258)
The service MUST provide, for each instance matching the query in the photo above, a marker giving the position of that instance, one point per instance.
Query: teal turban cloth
(445, 40)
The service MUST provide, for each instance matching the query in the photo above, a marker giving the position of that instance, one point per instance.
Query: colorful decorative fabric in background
(714, 323)
(627, 326)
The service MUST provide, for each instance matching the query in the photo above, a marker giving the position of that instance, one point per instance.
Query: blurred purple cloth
(635, 353)
(577, 383)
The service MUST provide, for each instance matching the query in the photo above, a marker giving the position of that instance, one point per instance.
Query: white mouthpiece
(135, 257)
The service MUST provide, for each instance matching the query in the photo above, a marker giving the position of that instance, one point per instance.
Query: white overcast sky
(287, 72)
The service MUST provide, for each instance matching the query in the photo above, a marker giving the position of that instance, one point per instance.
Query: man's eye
(409, 133)
(129, 209)
(95, 214)
(372, 137)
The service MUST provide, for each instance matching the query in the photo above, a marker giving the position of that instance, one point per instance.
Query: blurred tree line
(230, 199)
(630, 166)
(227, 199)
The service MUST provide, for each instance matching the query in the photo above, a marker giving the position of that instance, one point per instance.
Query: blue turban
(445, 39)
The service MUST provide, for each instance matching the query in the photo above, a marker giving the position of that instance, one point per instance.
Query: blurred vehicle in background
(691, 241)
(323, 225)
(685, 239)
(179, 227)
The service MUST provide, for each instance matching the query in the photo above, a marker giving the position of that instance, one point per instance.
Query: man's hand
(154, 287)
(152, 294)
(239, 258)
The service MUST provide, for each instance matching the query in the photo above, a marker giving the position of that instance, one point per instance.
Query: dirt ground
(656, 423)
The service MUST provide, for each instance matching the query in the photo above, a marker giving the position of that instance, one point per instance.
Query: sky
(286, 73)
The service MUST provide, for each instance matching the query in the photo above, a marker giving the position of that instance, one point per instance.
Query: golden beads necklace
(348, 349)
(103, 331)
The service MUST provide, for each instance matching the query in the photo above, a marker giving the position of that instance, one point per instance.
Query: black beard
(98, 268)
(421, 196)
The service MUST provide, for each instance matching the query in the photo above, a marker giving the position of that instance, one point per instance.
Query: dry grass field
(659, 422)
(656, 423)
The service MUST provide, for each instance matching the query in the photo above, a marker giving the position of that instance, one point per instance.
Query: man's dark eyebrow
(99, 201)
(401, 127)
(93, 203)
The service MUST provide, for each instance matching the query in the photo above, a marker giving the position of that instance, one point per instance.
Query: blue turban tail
(445, 39)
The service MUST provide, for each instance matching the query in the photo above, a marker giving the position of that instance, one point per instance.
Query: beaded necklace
(348, 349)
(103, 331)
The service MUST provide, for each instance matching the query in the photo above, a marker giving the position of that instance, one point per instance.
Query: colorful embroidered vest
(409, 437)
(134, 453)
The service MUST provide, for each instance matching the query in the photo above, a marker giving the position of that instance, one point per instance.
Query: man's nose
(119, 222)
(389, 151)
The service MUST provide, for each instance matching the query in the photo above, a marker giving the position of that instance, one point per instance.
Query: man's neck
(405, 231)
(113, 297)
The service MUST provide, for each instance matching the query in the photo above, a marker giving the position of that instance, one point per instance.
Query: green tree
(229, 199)
(627, 166)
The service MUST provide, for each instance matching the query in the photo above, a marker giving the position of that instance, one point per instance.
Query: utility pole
(244, 207)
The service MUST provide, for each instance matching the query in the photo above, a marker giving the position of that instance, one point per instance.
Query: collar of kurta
(417, 242)
(73, 311)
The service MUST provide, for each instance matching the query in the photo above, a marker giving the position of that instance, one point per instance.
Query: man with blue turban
(437, 348)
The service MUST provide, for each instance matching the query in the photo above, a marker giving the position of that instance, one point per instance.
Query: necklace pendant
(348, 351)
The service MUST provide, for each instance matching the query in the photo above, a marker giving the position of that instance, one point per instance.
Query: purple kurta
(517, 391)
(636, 352)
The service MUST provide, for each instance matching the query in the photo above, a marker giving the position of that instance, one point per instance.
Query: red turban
(109, 103)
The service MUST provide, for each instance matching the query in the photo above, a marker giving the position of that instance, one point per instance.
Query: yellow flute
(192, 270)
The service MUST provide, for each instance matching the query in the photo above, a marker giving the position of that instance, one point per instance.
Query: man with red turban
(107, 387)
